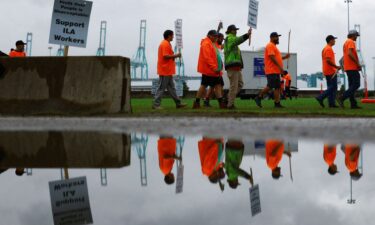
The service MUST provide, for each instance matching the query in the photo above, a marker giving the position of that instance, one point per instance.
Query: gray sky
(310, 21)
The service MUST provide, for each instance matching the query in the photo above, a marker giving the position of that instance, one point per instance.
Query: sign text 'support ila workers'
(70, 22)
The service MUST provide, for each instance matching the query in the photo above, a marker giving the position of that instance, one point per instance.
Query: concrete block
(65, 85)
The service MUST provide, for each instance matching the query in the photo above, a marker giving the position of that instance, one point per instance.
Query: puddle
(103, 177)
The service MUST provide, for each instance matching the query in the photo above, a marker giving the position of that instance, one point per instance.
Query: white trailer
(253, 72)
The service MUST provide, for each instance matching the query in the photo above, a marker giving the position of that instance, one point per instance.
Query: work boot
(181, 105)
(196, 105)
(278, 105)
(258, 101)
(206, 103)
(321, 103)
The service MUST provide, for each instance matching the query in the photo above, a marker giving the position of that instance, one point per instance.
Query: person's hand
(178, 55)
(288, 153)
(338, 67)
(287, 56)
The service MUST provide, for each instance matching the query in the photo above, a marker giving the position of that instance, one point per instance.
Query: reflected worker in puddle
(329, 156)
(234, 150)
(352, 152)
(274, 154)
(167, 154)
(211, 155)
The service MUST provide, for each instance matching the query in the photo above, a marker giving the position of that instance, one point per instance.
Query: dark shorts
(209, 81)
(273, 81)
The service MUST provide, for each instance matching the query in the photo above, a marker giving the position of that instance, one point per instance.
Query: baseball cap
(20, 43)
(212, 33)
(330, 37)
(354, 32)
(275, 34)
(231, 28)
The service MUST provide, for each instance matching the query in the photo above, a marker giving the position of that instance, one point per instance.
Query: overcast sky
(310, 21)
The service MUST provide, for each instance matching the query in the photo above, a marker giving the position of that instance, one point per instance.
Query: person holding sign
(352, 66)
(210, 66)
(273, 66)
(166, 70)
(167, 155)
(19, 51)
(330, 70)
(234, 62)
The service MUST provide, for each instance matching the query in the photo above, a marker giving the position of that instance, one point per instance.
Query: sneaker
(340, 101)
(157, 107)
(258, 101)
(278, 105)
(356, 107)
(181, 105)
(321, 103)
(196, 105)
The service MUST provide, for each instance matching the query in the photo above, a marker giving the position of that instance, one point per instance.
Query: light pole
(50, 50)
(348, 2)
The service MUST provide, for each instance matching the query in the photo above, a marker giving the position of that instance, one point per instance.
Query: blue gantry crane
(139, 142)
(29, 43)
(103, 39)
(139, 60)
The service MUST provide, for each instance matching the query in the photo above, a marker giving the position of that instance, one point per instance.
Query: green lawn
(302, 107)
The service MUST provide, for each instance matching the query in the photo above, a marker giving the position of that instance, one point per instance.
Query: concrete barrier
(64, 149)
(65, 85)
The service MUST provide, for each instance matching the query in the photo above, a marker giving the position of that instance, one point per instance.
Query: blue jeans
(354, 83)
(331, 91)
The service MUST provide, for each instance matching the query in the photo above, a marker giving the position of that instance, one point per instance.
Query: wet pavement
(95, 173)
(320, 128)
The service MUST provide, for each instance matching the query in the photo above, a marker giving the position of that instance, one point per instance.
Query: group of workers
(211, 64)
(213, 150)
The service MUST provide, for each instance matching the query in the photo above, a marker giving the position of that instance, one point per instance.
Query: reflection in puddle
(253, 178)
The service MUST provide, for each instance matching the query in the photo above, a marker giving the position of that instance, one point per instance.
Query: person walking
(166, 70)
(234, 62)
(210, 66)
(330, 70)
(273, 65)
(352, 67)
(19, 51)
(210, 92)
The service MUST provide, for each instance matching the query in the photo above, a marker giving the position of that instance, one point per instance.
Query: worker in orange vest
(274, 154)
(329, 156)
(211, 153)
(352, 152)
(287, 84)
(210, 92)
(19, 51)
(210, 65)
(167, 155)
